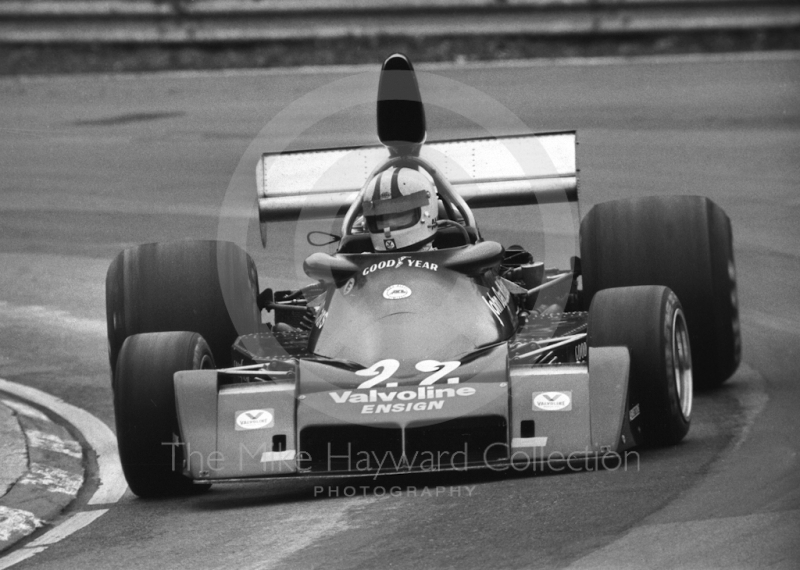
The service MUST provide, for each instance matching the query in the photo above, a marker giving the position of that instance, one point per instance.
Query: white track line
(97, 434)
(25, 410)
(758, 56)
(73, 524)
(18, 556)
(104, 443)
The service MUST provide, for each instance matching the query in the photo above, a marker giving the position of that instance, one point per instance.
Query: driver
(400, 207)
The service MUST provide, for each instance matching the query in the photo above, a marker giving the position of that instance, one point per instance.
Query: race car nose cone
(401, 115)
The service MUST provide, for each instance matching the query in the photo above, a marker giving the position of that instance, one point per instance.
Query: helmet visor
(394, 222)
(395, 213)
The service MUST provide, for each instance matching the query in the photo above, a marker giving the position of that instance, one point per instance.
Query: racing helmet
(400, 207)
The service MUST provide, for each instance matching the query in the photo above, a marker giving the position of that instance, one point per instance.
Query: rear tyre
(207, 287)
(649, 320)
(144, 407)
(684, 243)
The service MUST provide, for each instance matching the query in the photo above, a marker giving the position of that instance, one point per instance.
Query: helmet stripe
(376, 193)
(395, 185)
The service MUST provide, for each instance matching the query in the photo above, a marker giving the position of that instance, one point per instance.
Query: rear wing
(487, 173)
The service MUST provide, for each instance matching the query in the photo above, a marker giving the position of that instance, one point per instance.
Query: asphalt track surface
(90, 165)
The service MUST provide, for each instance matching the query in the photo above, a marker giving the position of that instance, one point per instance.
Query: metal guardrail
(207, 21)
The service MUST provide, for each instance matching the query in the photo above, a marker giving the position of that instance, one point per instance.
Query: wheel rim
(682, 363)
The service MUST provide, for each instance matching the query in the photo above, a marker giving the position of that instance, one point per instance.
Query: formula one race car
(418, 345)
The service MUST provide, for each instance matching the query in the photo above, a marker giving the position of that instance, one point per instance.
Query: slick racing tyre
(681, 242)
(649, 321)
(144, 407)
(207, 287)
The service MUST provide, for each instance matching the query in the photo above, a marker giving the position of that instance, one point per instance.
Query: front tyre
(649, 320)
(144, 407)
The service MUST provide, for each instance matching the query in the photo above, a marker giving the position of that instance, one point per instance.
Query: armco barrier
(203, 21)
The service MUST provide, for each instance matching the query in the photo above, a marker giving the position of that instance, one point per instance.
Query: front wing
(501, 415)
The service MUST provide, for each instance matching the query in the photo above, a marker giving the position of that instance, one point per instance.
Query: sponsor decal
(424, 398)
(634, 413)
(255, 419)
(421, 393)
(389, 244)
(287, 455)
(517, 442)
(552, 401)
(348, 287)
(394, 292)
(402, 261)
(396, 408)
(497, 299)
